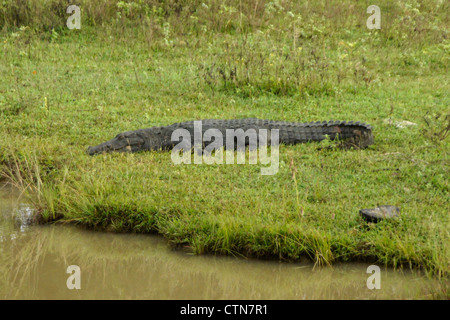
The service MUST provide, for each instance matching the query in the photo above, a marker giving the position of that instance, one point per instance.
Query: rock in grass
(380, 213)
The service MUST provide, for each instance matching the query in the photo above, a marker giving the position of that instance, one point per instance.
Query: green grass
(62, 90)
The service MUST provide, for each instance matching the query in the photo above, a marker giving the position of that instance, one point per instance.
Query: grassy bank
(136, 66)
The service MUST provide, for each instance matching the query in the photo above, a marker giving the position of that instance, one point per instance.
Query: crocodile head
(130, 141)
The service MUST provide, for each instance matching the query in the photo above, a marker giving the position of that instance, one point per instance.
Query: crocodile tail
(350, 134)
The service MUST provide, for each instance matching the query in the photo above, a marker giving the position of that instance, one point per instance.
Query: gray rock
(380, 213)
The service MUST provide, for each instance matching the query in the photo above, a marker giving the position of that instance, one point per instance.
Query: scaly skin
(351, 134)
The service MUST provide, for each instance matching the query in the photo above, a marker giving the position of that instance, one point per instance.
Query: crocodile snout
(103, 147)
(90, 150)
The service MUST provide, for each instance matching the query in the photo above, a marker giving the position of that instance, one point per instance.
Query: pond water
(34, 261)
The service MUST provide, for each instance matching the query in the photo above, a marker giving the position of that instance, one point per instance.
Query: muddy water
(34, 260)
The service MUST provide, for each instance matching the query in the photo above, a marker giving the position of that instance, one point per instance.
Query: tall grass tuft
(26, 174)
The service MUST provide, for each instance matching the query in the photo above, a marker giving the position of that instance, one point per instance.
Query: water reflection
(34, 259)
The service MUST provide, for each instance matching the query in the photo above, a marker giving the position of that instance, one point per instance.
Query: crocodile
(350, 134)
